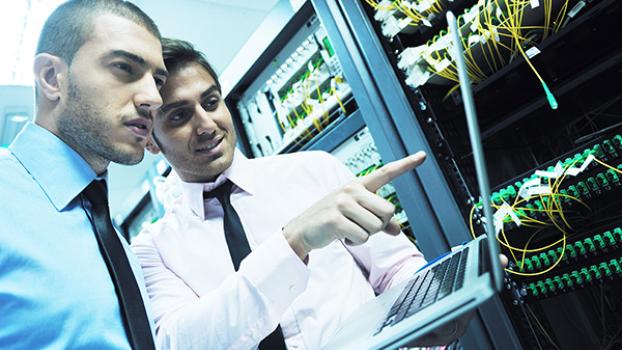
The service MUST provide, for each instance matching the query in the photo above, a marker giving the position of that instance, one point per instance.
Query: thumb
(393, 228)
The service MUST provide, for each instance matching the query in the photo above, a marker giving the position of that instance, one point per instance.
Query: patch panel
(569, 184)
(606, 151)
(599, 244)
(577, 278)
(359, 153)
(296, 97)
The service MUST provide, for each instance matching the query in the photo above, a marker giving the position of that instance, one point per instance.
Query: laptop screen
(478, 152)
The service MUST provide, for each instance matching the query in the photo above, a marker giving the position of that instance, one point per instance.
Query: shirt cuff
(276, 271)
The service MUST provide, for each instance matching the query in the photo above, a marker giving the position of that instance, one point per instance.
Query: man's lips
(139, 126)
(210, 145)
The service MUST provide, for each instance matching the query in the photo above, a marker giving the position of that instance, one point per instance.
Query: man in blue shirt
(98, 70)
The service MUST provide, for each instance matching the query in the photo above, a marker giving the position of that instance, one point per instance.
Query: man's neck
(97, 163)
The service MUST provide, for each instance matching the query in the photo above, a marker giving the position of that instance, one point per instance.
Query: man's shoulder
(170, 220)
(11, 170)
(19, 191)
(145, 236)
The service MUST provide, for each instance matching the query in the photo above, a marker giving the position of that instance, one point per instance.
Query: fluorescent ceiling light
(20, 25)
(18, 118)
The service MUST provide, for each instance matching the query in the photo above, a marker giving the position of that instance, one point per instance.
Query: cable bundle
(546, 205)
(494, 33)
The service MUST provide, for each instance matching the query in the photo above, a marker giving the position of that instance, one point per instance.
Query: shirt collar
(58, 169)
(240, 173)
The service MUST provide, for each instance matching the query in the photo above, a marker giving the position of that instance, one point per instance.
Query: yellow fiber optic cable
(607, 165)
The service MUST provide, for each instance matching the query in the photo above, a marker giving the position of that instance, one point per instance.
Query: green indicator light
(572, 190)
(615, 266)
(598, 151)
(602, 181)
(567, 280)
(591, 182)
(558, 282)
(577, 277)
(559, 252)
(564, 194)
(609, 238)
(541, 287)
(590, 245)
(536, 262)
(580, 248)
(528, 265)
(608, 146)
(612, 176)
(545, 259)
(594, 271)
(598, 239)
(549, 283)
(604, 269)
(538, 205)
(586, 274)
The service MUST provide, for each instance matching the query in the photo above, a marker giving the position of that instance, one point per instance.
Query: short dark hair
(68, 27)
(179, 53)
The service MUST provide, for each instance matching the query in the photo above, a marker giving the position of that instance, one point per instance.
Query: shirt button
(292, 288)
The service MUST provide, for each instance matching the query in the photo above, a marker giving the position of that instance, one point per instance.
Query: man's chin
(129, 157)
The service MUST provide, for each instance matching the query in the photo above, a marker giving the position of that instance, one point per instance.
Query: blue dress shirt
(55, 289)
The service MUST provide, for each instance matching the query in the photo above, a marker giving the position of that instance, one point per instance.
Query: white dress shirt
(200, 302)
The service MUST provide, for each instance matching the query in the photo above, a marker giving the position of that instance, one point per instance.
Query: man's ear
(151, 145)
(50, 75)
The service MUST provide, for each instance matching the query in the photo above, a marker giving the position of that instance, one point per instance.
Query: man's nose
(148, 98)
(205, 124)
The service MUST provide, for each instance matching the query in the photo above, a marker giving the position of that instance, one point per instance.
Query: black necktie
(239, 249)
(135, 319)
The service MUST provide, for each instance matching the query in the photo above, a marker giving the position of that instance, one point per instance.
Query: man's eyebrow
(207, 92)
(132, 57)
(136, 59)
(167, 107)
(161, 71)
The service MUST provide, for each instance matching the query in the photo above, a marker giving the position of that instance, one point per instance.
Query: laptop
(445, 289)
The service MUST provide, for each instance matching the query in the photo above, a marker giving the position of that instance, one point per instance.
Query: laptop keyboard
(423, 290)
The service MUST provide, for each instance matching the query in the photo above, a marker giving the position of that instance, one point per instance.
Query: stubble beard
(85, 128)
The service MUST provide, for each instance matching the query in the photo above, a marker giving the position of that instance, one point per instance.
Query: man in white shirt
(310, 225)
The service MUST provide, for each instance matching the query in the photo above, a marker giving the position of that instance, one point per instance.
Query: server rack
(252, 99)
(556, 304)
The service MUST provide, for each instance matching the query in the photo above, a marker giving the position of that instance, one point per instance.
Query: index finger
(391, 170)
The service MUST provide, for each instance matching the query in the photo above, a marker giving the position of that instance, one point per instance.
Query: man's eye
(123, 67)
(159, 82)
(211, 104)
(177, 116)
